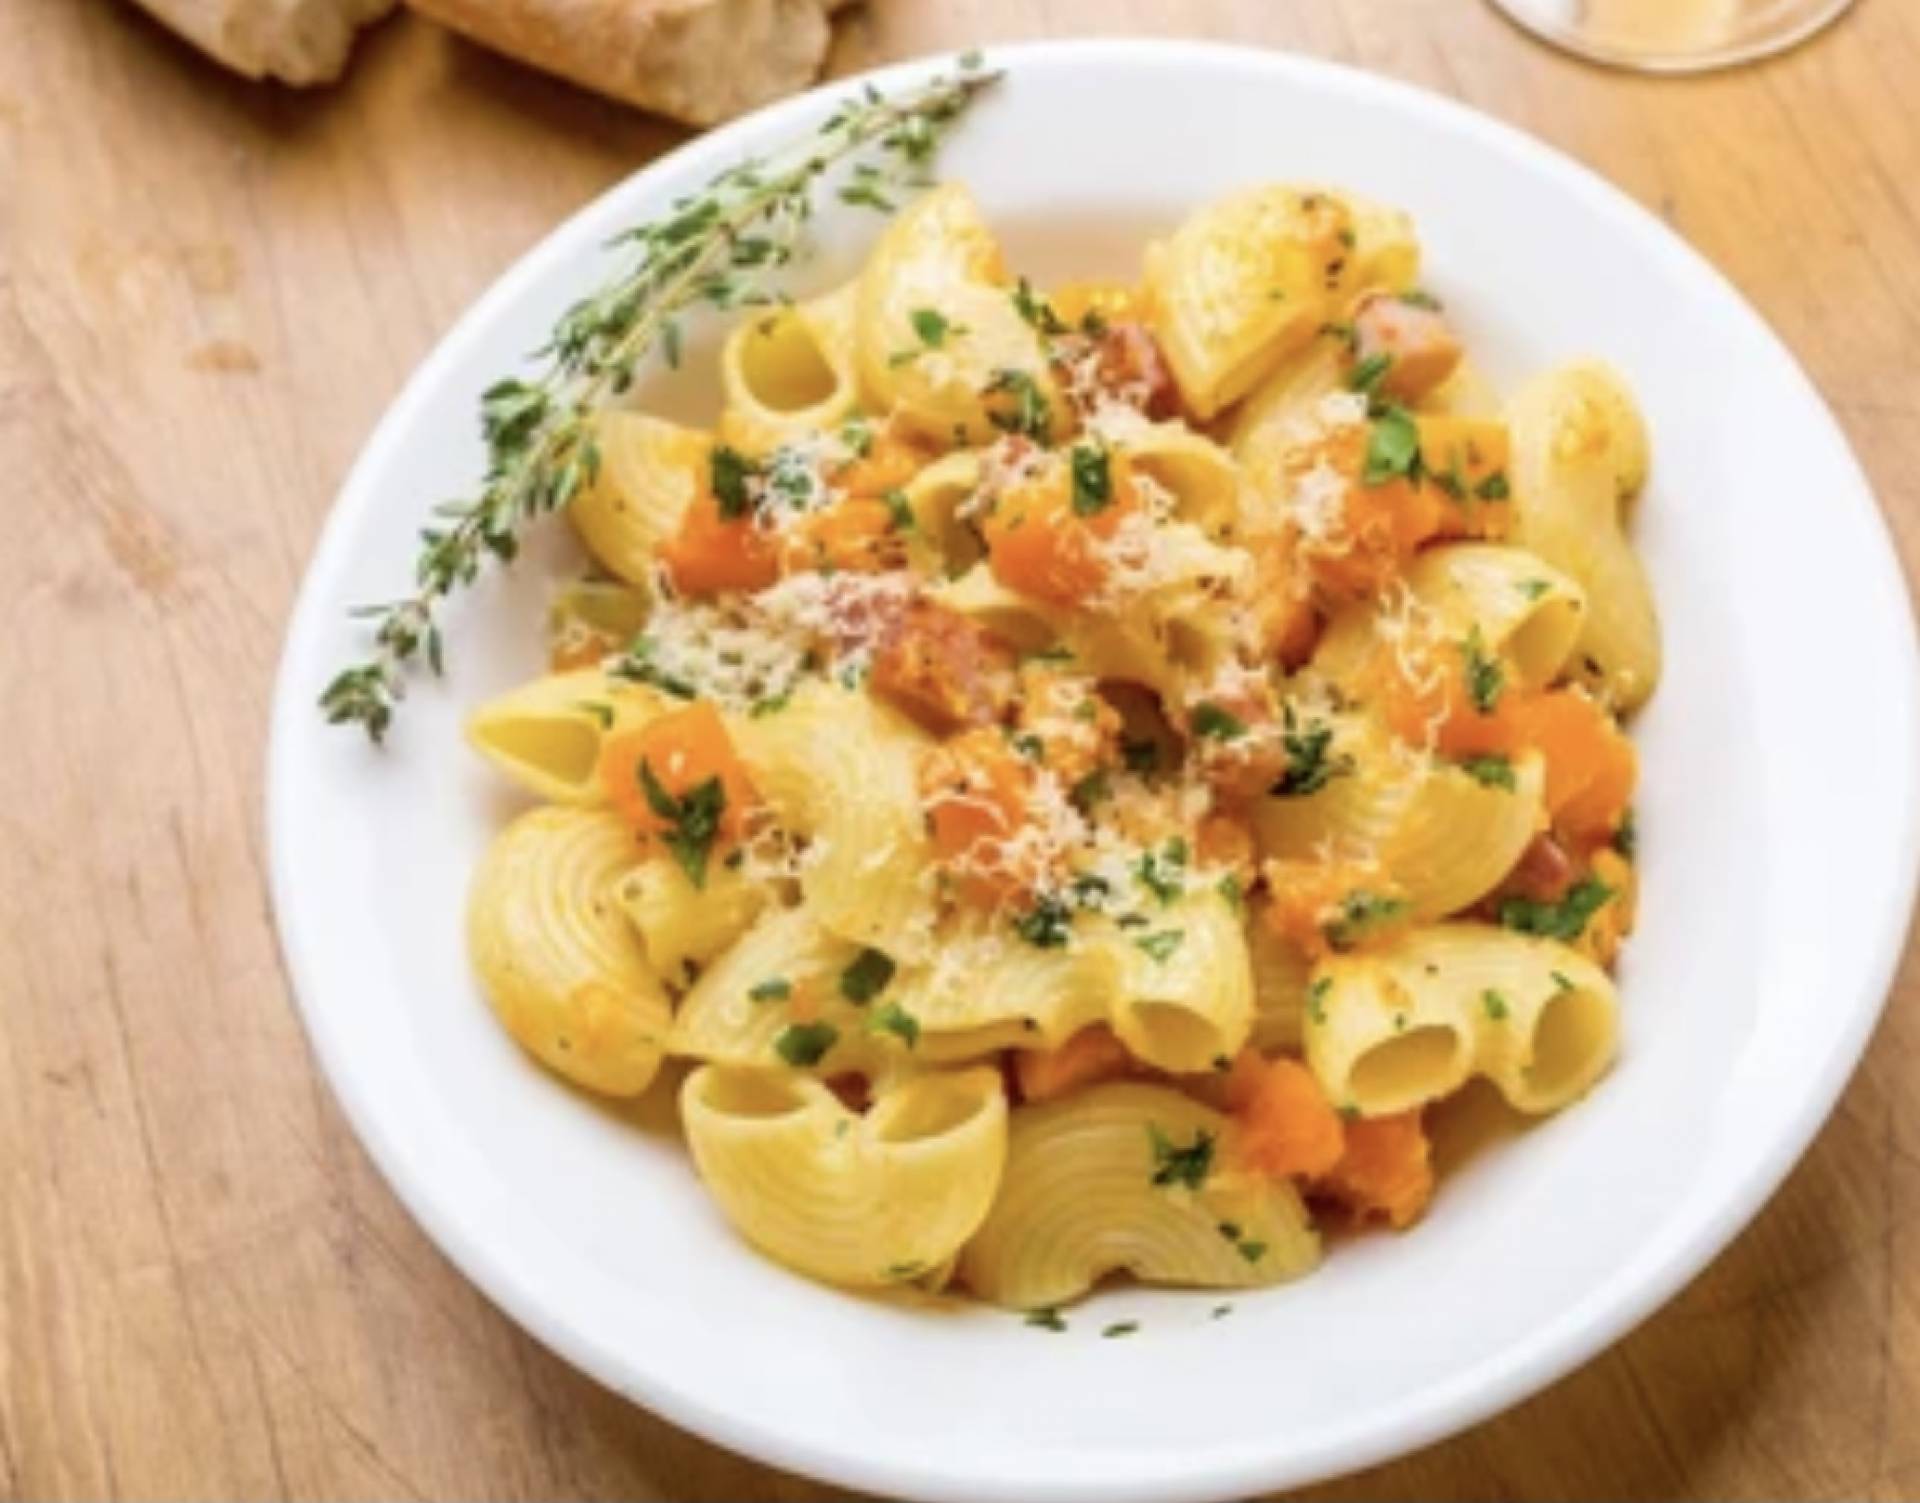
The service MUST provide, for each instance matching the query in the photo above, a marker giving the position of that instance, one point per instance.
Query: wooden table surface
(208, 292)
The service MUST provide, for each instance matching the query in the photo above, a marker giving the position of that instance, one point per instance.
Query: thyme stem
(714, 248)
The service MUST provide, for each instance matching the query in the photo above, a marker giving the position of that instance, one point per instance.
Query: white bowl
(1779, 820)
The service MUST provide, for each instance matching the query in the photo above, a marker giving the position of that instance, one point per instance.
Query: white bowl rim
(1555, 1349)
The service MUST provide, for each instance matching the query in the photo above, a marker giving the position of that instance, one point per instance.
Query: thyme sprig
(713, 249)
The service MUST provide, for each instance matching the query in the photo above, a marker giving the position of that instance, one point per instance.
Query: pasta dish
(1073, 776)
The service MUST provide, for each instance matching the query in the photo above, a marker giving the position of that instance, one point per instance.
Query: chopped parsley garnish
(866, 977)
(1415, 297)
(773, 704)
(1047, 1318)
(1626, 839)
(1342, 331)
(1306, 744)
(1187, 1166)
(899, 510)
(1046, 925)
(1494, 487)
(1560, 981)
(1495, 1004)
(1218, 1311)
(857, 435)
(1212, 722)
(1533, 589)
(1164, 872)
(1233, 892)
(1565, 920)
(1361, 912)
(931, 327)
(895, 1019)
(1030, 746)
(728, 471)
(1489, 771)
(1121, 1328)
(1035, 309)
(1369, 373)
(638, 666)
(773, 989)
(600, 710)
(1028, 413)
(1090, 890)
(1393, 447)
(1092, 470)
(1161, 944)
(1141, 755)
(1253, 1251)
(1094, 788)
(908, 1270)
(692, 820)
(1317, 999)
(1485, 677)
(804, 1044)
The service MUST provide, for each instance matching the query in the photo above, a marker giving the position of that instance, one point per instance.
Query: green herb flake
(773, 989)
(1173, 1165)
(866, 977)
(1485, 677)
(1369, 373)
(1219, 1312)
(1233, 892)
(1035, 309)
(1253, 1251)
(1163, 872)
(1092, 472)
(892, 1018)
(1495, 1004)
(1489, 771)
(899, 510)
(1361, 914)
(1046, 925)
(1026, 412)
(1142, 754)
(1565, 920)
(930, 326)
(803, 1045)
(728, 471)
(1161, 944)
(1561, 981)
(1046, 1318)
(692, 820)
(1533, 589)
(600, 710)
(1393, 447)
(902, 1272)
(1317, 1000)
(1309, 768)
(1210, 722)
(1415, 297)
(1095, 788)
(1120, 1328)
(1494, 487)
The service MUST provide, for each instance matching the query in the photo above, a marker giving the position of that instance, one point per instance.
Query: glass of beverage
(1672, 36)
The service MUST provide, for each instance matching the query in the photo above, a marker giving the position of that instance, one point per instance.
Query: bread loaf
(295, 41)
(700, 61)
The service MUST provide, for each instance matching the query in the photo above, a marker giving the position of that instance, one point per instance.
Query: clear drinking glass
(1672, 36)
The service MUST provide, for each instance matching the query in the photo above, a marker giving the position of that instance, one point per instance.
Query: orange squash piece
(1283, 1123)
(681, 751)
(1386, 1171)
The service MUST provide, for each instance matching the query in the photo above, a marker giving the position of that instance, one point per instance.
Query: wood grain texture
(208, 291)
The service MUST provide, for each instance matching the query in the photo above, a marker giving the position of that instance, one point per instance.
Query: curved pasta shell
(555, 955)
(1200, 479)
(682, 927)
(546, 735)
(841, 769)
(1411, 1021)
(1385, 255)
(1186, 1006)
(1522, 607)
(1020, 621)
(987, 984)
(596, 611)
(1578, 446)
(789, 372)
(938, 258)
(721, 1021)
(934, 496)
(1269, 424)
(1242, 283)
(1380, 1038)
(649, 473)
(1281, 975)
(1354, 813)
(854, 1200)
(1459, 837)
(1078, 1201)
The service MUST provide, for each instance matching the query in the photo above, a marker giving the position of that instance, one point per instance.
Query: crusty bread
(700, 61)
(295, 41)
